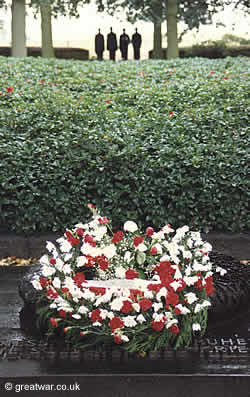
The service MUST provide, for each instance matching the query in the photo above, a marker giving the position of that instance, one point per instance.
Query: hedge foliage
(152, 141)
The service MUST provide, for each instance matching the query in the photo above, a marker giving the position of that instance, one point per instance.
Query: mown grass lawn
(152, 141)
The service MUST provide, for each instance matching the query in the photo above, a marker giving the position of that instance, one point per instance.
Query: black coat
(99, 43)
(111, 42)
(136, 40)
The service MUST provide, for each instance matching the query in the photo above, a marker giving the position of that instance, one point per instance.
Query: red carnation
(145, 304)
(95, 315)
(117, 237)
(127, 307)
(103, 221)
(9, 89)
(117, 340)
(79, 278)
(115, 323)
(51, 293)
(52, 261)
(157, 325)
(62, 313)
(153, 250)
(43, 282)
(149, 231)
(174, 329)
(177, 311)
(172, 299)
(54, 322)
(138, 240)
(131, 274)
(80, 232)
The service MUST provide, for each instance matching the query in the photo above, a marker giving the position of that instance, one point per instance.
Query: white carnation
(129, 321)
(196, 327)
(109, 251)
(36, 284)
(191, 297)
(130, 226)
(56, 282)
(141, 319)
(48, 271)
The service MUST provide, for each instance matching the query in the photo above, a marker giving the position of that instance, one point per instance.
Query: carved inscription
(234, 344)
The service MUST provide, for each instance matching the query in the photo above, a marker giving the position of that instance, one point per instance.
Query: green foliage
(153, 141)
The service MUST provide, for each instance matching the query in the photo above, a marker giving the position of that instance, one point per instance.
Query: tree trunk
(46, 28)
(172, 10)
(157, 49)
(18, 46)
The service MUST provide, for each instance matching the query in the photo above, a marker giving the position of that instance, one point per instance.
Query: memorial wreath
(140, 291)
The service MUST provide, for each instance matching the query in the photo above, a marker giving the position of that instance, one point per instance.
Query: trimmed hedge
(153, 141)
(60, 52)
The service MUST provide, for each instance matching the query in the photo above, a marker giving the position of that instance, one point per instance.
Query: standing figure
(124, 42)
(136, 41)
(99, 45)
(111, 44)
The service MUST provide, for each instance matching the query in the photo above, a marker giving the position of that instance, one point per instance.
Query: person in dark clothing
(111, 44)
(124, 42)
(136, 41)
(99, 45)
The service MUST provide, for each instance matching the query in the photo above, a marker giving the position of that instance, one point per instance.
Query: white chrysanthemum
(59, 264)
(56, 282)
(83, 309)
(130, 226)
(67, 269)
(178, 273)
(104, 314)
(148, 294)
(176, 284)
(48, 271)
(190, 242)
(188, 270)
(129, 321)
(198, 308)
(220, 270)
(184, 310)
(141, 319)
(181, 231)
(207, 247)
(67, 257)
(88, 295)
(190, 297)
(50, 246)
(167, 229)
(36, 284)
(191, 280)
(196, 327)
(187, 254)
(87, 249)
(127, 257)
(165, 258)
(99, 233)
(161, 294)
(44, 260)
(159, 248)
(120, 272)
(81, 261)
(206, 303)
(171, 322)
(136, 307)
(157, 306)
(159, 235)
(117, 304)
(76, 316)
(65, 246)
(97, 324)
(141, 247)
(109, 251)
(158, 317)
